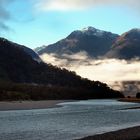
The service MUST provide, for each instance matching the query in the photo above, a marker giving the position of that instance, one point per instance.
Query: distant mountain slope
(93, 41)
(127, 46)
(16, 65)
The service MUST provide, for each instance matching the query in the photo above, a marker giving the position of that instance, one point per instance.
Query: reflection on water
(72, 120)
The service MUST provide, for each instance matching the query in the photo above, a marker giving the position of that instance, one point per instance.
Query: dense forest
(13, 91)
(22, 77)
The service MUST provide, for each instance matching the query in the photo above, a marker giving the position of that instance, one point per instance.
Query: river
(70, 121)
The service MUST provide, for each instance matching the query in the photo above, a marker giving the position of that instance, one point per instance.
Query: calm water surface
(72, 120)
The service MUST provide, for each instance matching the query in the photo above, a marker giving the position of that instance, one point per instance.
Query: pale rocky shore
(28, 105)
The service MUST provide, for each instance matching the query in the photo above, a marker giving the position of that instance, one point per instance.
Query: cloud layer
(119, 74)
(105, 70)
(83, 4)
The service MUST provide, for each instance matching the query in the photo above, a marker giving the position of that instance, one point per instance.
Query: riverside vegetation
(14, 91)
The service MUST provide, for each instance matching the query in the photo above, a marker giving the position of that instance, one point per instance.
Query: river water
(72, 120)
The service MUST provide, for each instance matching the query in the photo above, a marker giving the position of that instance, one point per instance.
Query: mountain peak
(135, 30)
(89, 28)
(3, 39)
(92, 31)
(126, 46)
(132, 34)
(91, 40)
(88, 31)
(11, 45)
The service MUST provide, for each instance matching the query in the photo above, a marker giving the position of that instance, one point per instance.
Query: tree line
(14, 91)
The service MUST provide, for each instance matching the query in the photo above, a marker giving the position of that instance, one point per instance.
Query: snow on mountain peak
(92, 31)
(89, 28)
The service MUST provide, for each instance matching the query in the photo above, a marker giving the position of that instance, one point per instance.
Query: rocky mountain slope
(93, 41)
(127, 46)
(97, 43)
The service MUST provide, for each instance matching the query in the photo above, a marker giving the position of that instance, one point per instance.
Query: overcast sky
(40, 22)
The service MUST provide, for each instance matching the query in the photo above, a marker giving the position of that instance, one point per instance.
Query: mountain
(5, 42)
(18, 66)
(16, 61)
(127, 46)
(93, 41)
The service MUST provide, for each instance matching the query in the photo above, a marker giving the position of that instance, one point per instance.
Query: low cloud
(129, 88)
(106, 70)
(66, 61)
(65, 5)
